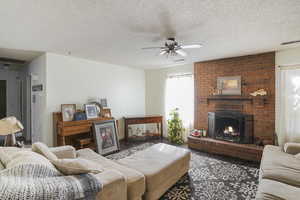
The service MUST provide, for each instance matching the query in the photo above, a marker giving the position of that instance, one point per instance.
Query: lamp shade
(10, 125)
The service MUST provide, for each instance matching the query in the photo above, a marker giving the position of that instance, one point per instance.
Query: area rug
(210, 177)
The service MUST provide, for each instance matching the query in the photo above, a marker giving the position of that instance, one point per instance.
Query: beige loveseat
(280, 173)
(146, 175)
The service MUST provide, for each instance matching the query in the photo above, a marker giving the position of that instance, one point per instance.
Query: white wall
(37, 70)
(155, 88)
(74, 80)
(283, 58)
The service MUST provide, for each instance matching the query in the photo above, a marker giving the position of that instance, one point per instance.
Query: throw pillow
(67, 166)
(28, 157)
(64, 151)
(1, 166)
(7, 152)
(43, 149)
(297, 155)
(4, 158)
(76, 166)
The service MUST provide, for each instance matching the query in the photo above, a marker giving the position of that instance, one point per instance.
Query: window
(180, 94)
(288, 115)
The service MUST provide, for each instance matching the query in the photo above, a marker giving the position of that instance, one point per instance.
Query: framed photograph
(106, 137)
(103, 102)
(229, 85)
(98, 106)
(106, 112)
(91, 111)
(68, 111)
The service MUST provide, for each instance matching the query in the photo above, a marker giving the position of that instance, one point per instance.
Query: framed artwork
(106, 137)
(68, 111)
(91, 111)
(106, 112)
(229, 85)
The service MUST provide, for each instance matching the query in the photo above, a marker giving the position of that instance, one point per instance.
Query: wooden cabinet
(75, 133)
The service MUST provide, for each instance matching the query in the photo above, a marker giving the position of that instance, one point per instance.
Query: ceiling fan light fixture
(173, 48)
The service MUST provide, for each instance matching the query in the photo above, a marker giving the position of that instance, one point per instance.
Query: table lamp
(8, 127)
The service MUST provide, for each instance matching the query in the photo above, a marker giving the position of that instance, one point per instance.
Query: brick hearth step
(243, 151)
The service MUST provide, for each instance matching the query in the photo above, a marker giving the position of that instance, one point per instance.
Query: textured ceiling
(114, 31)
(23, 55)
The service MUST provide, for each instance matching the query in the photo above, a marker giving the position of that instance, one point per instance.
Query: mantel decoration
(175, 128)
(229, 85)
(260, 92)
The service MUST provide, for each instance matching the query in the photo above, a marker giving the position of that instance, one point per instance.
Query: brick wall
(256, 71)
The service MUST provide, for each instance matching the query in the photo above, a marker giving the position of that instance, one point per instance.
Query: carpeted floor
(210, 177)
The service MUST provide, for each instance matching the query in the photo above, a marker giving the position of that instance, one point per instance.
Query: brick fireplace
(256, 72)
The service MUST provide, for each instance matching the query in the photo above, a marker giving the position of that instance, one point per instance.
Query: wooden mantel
(229, 98)
(260, 99)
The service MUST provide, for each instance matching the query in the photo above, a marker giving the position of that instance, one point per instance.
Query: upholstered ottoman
(162, 165)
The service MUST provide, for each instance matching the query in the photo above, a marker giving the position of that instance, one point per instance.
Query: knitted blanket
(35, 182)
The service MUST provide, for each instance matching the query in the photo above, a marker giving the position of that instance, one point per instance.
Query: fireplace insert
(231, 126)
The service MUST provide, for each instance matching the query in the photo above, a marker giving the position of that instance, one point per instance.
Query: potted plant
(175, 128)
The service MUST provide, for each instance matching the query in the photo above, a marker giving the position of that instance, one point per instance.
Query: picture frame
(98, 106)
(103, 102)
(68, 111)
(106, 112)
(229, 85)
(91, 111)
(106, 137)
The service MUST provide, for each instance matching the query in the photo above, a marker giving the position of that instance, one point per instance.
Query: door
(3, 99)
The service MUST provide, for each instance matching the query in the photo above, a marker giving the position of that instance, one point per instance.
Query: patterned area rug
(210, 177)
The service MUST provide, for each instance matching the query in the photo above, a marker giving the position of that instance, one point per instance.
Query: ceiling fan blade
(191, 46)
(181, 52)
(145, 48)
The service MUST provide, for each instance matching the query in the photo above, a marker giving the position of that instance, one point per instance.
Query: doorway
(3, 98)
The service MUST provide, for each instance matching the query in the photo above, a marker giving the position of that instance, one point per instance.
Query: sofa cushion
(76, 166)
(274, 190)
(43, 149)
(280, 166)
(114, 186)
(134, 179)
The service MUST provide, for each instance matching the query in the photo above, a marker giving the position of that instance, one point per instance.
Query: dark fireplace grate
(231, 126)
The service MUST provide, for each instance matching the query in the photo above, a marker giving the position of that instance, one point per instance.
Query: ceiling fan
(173, 48)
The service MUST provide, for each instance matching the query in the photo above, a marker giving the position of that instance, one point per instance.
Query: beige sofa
(280, 173)
(145, 175)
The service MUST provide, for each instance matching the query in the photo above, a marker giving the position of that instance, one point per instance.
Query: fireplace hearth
(231, 126)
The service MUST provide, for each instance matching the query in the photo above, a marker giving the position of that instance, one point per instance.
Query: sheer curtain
(180, 94)
(288, 105)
